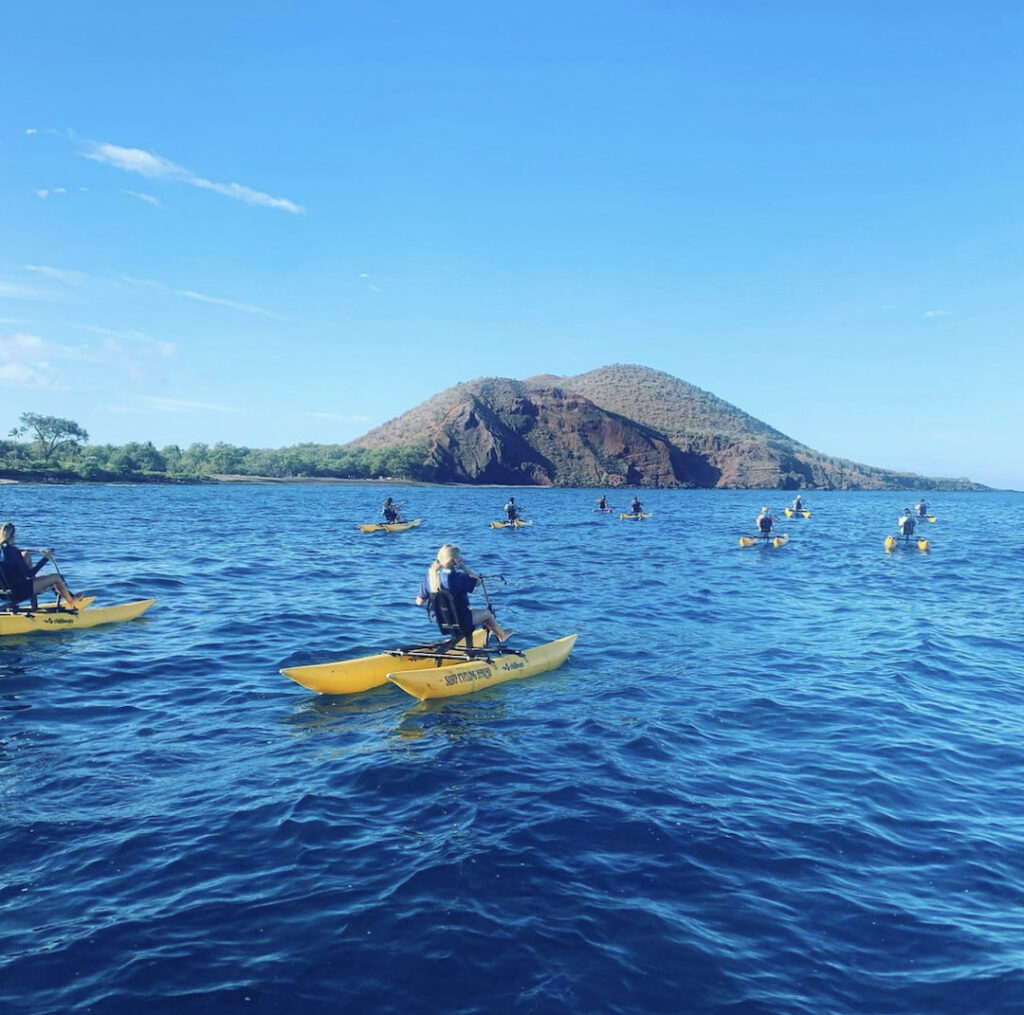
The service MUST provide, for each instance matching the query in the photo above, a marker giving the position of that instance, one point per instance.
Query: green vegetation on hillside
(58, 451)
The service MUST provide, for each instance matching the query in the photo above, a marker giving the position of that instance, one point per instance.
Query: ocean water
(766, 781)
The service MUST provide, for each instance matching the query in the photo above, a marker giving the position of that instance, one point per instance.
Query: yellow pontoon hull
(892, 543)
(775, 541)
(350, 676)
(464, 678)
(390, 526)
(49, 618)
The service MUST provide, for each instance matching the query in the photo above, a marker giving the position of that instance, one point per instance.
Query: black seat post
(442, 606)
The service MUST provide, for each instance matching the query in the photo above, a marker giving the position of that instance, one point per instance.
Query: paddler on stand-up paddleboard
(21, 578)
(449, 571)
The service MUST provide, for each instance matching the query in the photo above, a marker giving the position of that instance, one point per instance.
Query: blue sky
(267, 223)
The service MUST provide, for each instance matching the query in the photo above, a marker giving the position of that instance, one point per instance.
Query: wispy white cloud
(336, 417)
(29, 360)
(139, 337)
(156, 167)
(936, 313)
(13, 290)
(246, 308)
(18, 375)
(31, 130)
(156, 404)
(191, 294)
(66, 275)
(25, 361)
(148, 198)
(72, 277)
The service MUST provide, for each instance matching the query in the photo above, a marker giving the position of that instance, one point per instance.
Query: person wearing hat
(765, 522)
(389, 509)
(449, 571)
(906, 523)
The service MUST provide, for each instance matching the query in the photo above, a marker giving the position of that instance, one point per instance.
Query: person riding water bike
(449, 571)
(21, 579)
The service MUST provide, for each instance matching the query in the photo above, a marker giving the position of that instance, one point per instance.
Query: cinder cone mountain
(617, 425)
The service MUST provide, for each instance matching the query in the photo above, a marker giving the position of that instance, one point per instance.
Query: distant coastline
(238, 479)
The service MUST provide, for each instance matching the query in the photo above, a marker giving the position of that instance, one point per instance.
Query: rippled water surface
(766, 780)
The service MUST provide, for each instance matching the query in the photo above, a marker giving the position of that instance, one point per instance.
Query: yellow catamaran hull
(892, 543)
(464, 678)
(49, 618)
(350, 676)
(775, 541)
(389, 526)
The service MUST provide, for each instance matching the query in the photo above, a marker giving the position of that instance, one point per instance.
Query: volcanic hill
(617, 425)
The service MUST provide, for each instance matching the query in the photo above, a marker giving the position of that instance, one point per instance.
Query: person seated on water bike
(602, 503)
(765, 522)
(21, 579)
(448, 571)
(389, 509)
(512, 510)
(798, 504)
(636, 506)
(921, 508)
(906, 523)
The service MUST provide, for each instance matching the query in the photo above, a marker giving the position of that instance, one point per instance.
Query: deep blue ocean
(766, 781)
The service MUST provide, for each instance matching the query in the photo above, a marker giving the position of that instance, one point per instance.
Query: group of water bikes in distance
(513, 518)
(764, 524)
(906, 525)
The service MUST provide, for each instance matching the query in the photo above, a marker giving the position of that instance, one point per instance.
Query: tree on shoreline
(50, 432)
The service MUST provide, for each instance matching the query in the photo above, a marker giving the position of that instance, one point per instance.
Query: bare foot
(508, 634)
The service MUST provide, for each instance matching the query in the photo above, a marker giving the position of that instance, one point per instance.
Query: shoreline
(232, 479)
